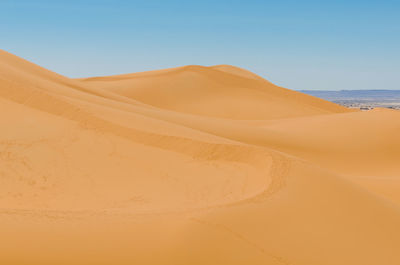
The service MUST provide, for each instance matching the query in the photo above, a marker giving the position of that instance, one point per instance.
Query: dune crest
(191, 165)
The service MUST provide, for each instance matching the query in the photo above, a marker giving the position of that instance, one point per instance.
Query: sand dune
(191, 165)
(228, 92)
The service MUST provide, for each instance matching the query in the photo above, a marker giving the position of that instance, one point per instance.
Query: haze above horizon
(305, 45)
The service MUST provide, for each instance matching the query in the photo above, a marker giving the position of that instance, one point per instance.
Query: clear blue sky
(297, 44)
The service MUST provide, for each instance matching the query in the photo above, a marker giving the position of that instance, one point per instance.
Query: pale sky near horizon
(330, 45)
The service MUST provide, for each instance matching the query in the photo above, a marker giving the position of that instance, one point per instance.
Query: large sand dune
(191, 165)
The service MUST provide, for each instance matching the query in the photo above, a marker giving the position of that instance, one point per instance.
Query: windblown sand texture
(191, 165)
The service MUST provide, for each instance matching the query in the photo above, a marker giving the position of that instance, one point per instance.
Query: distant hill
(354, 94)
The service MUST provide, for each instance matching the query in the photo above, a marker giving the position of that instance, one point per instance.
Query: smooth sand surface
(191, 165)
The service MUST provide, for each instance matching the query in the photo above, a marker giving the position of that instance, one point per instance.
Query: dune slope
(191, 165)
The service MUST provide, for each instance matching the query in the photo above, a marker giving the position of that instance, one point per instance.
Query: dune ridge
(191, 165)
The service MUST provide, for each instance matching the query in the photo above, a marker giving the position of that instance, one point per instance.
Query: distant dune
(191, 165)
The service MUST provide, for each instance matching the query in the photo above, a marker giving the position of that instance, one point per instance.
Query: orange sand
(191, 165)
